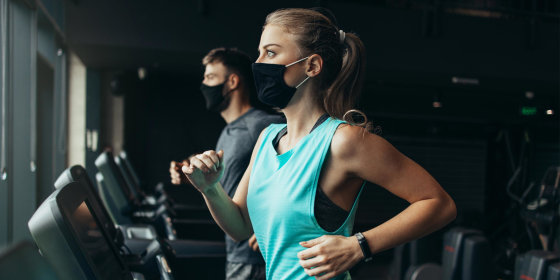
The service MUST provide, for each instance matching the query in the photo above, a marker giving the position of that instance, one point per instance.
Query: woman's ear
(233, 81)
(314, 65)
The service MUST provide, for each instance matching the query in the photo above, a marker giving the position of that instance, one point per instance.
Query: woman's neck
(301, 115)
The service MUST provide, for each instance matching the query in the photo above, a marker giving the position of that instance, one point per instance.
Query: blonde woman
(300, 191)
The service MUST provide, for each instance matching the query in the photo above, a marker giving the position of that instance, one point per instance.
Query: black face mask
(215, 99)
(271, 87)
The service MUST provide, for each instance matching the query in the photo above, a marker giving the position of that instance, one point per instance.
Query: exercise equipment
(126, 207)
(466, 255)
(140, 245)
(535, 265)
(69, 235)
(416, 259)
(541, 215)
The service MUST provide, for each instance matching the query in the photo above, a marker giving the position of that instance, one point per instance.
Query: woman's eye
(270, 53)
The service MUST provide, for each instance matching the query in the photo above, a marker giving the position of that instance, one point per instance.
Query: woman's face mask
(271, 87)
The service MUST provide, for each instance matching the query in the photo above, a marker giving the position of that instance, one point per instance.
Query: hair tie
(341, 36)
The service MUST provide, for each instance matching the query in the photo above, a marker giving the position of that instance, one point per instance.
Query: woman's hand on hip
(329, 255)
(205, 170)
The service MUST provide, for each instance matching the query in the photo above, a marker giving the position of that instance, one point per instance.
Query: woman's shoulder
(351, 140)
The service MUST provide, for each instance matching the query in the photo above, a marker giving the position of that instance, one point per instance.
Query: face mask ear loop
(303, 81)
(298, 61)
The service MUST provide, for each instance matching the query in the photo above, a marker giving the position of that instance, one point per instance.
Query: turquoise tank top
(281, 199)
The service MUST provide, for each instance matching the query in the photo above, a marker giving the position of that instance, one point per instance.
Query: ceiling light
(464, 81)
(141, 73)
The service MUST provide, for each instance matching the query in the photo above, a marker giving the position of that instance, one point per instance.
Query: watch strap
(364, 246)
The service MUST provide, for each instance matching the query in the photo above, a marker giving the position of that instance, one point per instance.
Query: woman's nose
(259, 59)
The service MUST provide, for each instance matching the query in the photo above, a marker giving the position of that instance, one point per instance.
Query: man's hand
(177, 175)
(253, 243)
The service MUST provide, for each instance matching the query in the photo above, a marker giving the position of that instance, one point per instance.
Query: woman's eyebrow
(269, 45)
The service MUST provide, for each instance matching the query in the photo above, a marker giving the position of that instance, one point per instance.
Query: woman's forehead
(277, 35)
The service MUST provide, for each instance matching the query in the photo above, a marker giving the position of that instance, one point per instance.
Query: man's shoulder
(259, 118)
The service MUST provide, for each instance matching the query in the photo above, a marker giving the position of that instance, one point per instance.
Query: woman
(300, 191)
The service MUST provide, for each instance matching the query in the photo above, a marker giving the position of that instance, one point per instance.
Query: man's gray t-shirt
(237, 140)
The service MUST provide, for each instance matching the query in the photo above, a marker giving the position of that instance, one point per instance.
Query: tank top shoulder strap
(272, 130)
(328, 128)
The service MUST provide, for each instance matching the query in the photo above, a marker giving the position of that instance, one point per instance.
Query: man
(228, 88)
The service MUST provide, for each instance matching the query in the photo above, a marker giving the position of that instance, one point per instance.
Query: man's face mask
(216, 101)
(271, 87)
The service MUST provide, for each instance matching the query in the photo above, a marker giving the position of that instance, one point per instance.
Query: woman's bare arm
(373, 159)
(359, 154)
(204, 172)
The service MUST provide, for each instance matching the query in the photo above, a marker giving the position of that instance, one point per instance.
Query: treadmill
(70, 236)
(127, 205)
(140, 243)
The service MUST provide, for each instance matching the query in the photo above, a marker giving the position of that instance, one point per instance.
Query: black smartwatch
(365, 247)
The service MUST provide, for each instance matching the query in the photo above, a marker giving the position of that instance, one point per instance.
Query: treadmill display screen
(95, 243)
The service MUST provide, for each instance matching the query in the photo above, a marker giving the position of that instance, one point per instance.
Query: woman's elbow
(240, 237)
(236, 238)
(241, 233)
(450, 209)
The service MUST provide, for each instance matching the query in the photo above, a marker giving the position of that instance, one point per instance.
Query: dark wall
(112, 34)
(165, 119)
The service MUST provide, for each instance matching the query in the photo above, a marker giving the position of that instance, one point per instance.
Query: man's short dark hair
(236, 62)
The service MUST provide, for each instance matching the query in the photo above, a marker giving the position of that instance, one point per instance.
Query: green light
(528, 111)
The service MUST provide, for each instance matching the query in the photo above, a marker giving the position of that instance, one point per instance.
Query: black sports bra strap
(321, 120)
(284, 130)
